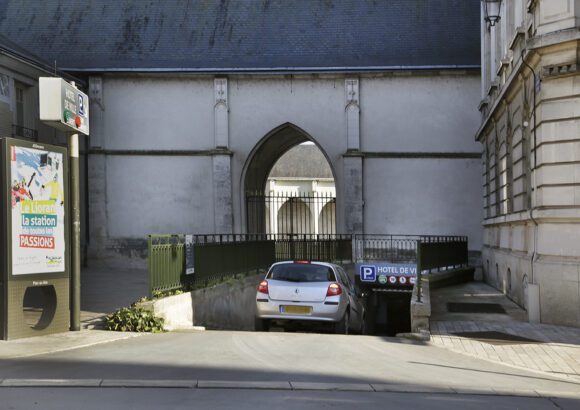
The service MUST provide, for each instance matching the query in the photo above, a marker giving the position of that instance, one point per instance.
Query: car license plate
(296, 310)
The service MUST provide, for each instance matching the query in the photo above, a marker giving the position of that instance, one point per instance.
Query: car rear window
(299, 272)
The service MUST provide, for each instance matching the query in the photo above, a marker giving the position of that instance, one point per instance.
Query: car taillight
(263, 287)
(334, 289)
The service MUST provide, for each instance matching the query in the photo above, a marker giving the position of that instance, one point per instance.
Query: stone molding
(352, 112)
(221, 111)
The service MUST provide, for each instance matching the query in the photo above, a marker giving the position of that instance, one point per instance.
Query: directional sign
(63, 106)
(387, 273)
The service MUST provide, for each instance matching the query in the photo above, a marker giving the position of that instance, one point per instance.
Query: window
(298, 272)
(5, 88)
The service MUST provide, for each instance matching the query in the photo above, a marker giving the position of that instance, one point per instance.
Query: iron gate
(291, 213)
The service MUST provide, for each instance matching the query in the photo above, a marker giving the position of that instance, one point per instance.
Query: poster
(37, 210)
(189, 255)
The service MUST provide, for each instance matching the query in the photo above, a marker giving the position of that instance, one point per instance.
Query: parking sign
(368, 273)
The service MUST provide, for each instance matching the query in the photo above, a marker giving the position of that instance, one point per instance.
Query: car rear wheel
(262, 325)
(342, 326)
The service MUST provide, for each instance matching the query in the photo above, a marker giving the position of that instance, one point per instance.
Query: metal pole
(419, 269)
(75, 238)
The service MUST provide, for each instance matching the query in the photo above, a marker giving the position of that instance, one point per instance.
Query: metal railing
(428, 252)
(165, 262)
(392, 248)
(215, 261)
(216, 257)
(326, 248)
(291, 213)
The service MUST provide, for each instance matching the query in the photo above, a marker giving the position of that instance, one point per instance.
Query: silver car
(309, 293)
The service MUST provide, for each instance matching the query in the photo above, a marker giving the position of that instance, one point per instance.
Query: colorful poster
(38, 211)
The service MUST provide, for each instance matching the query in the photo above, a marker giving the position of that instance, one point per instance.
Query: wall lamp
(491, 10)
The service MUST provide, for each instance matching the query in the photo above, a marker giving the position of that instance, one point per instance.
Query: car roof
(330, 265)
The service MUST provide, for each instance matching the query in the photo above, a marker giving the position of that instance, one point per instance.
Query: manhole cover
(457, 307)
(496, 338)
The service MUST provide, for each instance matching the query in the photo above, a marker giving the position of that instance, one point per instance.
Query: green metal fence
(214, 261)
(218, 256)
(166, 262)
(215, 257)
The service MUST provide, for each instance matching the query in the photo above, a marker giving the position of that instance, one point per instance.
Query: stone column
(97, 173)
(221, 161)
(352, 161)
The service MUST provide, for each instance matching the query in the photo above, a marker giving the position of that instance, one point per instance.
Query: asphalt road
(438, 378)
(174, 399)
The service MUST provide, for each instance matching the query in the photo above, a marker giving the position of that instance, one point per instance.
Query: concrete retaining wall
(228, 306)
(421, 311)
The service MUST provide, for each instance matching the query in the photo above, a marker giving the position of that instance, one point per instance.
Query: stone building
(20, 70)
(531, 156)
(193, 102)
(19, 115)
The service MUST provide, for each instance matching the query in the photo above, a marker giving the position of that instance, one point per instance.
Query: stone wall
(169, 154)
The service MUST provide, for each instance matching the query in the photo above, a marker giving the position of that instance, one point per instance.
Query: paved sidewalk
(553, 350)
(103, 290)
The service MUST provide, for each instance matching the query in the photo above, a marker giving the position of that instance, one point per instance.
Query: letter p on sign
(368, 273)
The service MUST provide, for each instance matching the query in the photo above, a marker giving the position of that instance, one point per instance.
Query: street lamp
(491, 9)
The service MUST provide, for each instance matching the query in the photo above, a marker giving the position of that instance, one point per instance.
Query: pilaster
(221, 161)
(97, 173)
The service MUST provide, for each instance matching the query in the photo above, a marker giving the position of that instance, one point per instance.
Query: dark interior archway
(272, 147)
(260, 163)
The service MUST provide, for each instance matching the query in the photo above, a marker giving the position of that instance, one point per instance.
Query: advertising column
(35, 239)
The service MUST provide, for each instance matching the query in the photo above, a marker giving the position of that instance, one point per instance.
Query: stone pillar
(221, 161)
(222, 192)
(353, 193)
(353, 161)
(97, 173)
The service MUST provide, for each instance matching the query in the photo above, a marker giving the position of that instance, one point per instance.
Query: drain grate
(496, 338)
(459, 307)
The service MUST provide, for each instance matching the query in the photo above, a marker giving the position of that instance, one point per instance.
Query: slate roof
(251, 35)
(312, 164)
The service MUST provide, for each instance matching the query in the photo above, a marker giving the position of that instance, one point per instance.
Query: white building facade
(531, 161)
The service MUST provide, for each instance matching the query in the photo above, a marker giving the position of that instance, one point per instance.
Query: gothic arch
(261, 160)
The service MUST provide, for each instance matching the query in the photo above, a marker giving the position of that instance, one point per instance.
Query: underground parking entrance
(291, 211)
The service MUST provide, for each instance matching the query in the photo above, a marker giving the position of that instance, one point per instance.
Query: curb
(282, 385)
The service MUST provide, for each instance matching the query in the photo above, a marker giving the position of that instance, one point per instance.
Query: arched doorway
(288, 180)
(294, 217)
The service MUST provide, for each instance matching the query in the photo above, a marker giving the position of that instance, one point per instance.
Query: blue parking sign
(368, 273)
(81, 105)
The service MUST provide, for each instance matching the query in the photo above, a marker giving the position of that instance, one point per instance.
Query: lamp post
(491, 10)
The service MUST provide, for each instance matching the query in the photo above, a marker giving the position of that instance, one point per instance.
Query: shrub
(134, 319)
